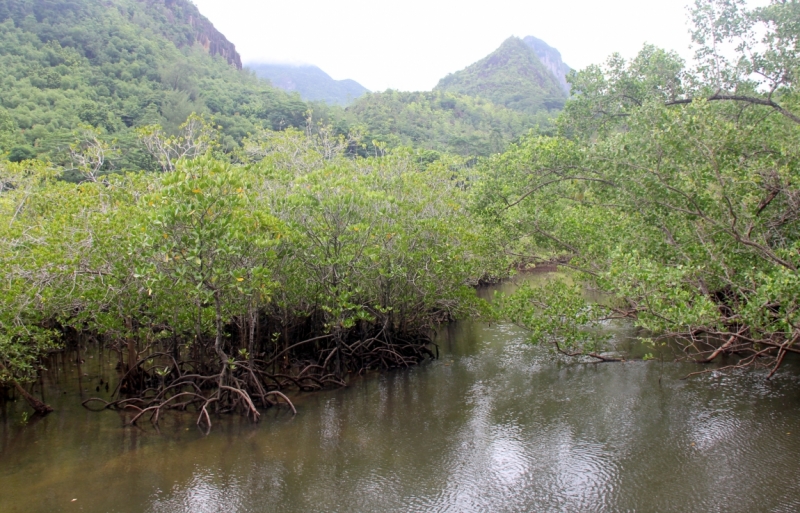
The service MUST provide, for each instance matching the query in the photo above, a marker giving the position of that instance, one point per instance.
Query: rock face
(513, 76)
(202, 31)
(312, 83)
(551, 58)
(214, 42)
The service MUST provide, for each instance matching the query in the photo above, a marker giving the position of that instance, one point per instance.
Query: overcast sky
(411, 44)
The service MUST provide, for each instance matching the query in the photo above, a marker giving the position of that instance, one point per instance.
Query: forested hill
(512, 76)
(177, 20)
(312, 83)
(441, 121)
(120, 64)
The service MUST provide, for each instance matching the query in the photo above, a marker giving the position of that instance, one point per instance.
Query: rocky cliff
(200, 29)
(551, 58)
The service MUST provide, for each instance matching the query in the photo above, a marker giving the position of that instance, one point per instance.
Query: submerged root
(247, 385)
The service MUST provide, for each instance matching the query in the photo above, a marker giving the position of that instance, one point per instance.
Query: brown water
(494, 425)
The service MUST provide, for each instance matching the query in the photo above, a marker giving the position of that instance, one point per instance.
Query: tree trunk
(133, 354)
(40, 407)
(36, 404)
(218, 324)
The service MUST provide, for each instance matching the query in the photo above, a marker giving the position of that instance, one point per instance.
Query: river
(494, 425)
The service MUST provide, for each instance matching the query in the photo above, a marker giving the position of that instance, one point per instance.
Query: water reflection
(495, 425)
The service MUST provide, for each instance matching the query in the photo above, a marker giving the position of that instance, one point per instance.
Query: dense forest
(228, 244)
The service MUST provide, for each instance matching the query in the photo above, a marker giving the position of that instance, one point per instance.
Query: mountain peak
(513, 76)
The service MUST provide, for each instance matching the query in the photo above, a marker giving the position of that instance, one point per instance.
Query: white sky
(410, 45)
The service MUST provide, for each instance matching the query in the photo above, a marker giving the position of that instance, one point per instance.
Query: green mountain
(440, 121)
(512, 76)
(312, 83)
(120, 64)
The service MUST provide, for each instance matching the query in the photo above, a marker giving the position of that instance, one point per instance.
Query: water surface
(494, 425)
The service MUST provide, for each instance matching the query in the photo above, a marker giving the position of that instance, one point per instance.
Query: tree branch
(741, 98)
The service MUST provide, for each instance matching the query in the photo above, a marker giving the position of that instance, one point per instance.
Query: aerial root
(279, 394)
(244, 386)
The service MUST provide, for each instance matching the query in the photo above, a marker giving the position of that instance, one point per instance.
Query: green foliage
(605, 96)
(20, 153)
(677, 198)
(24, 337)
(10, 135)
(195, 137)
(558, 314)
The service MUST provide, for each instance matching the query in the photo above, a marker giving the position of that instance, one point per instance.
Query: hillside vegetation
(94, 74)
(551, 58)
